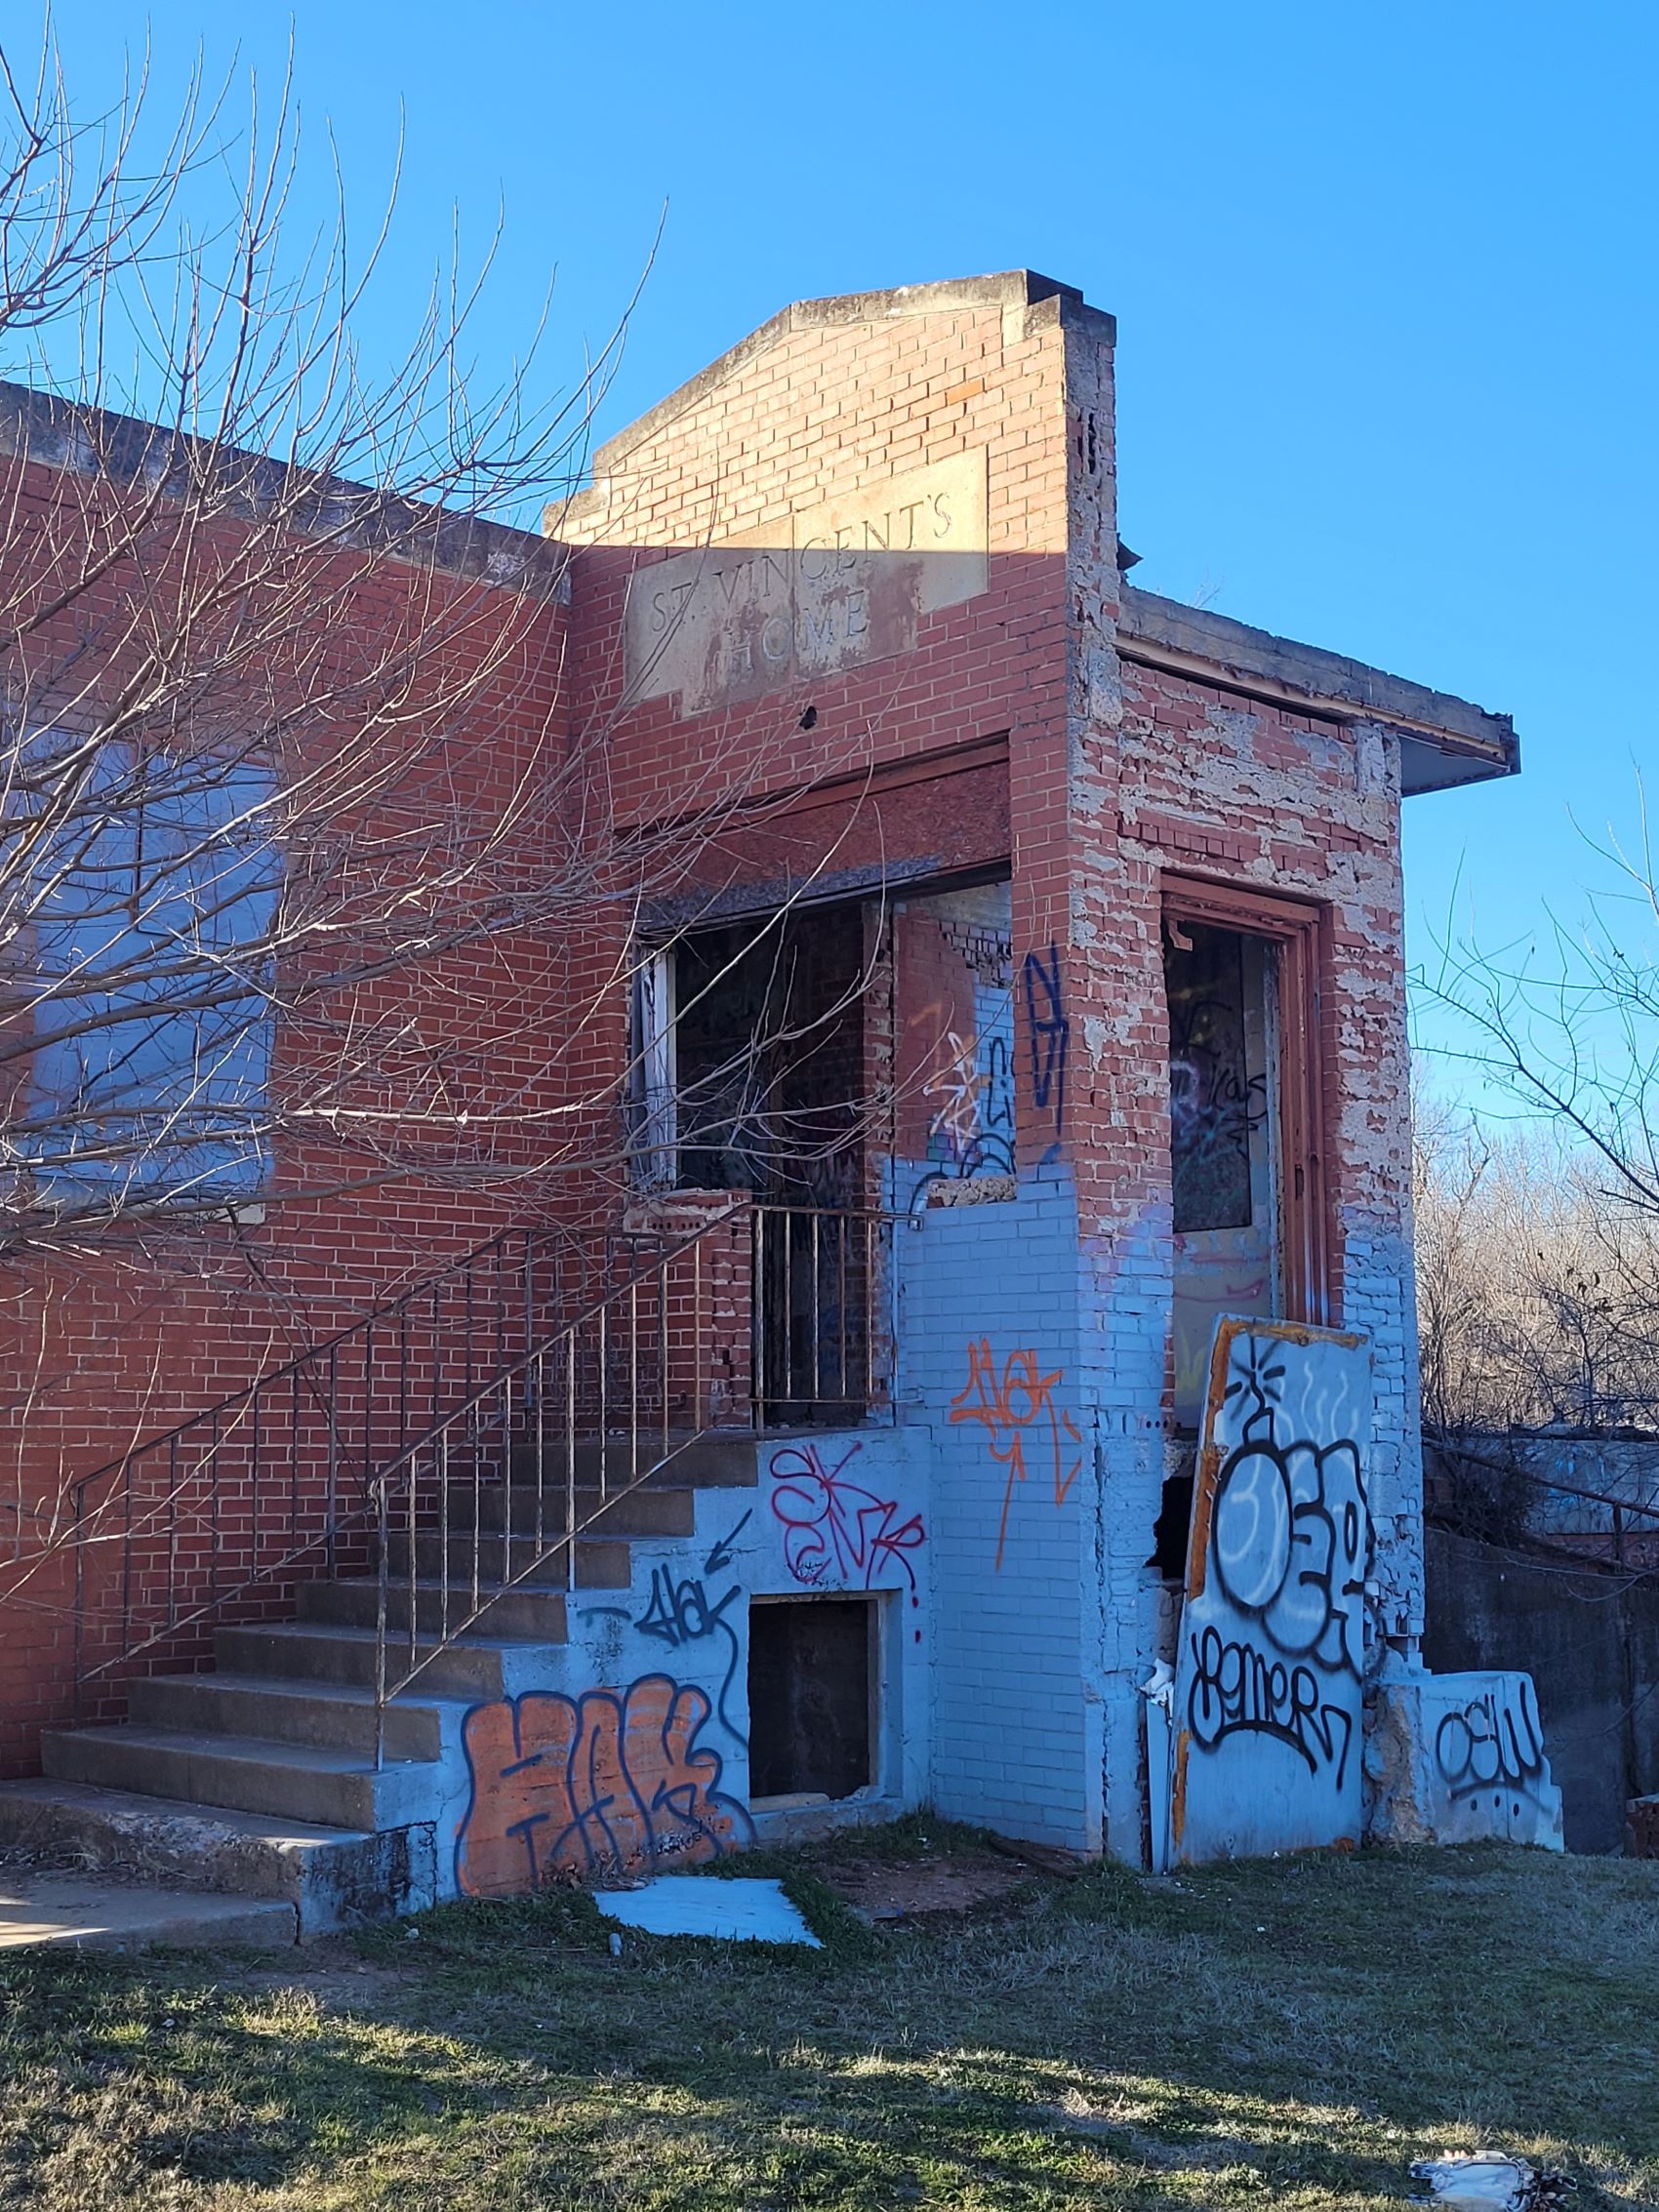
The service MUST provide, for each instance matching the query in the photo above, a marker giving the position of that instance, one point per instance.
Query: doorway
(1242, 986)
(752, 1051)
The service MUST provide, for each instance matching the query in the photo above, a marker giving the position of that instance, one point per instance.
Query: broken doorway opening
(751, 1047)
(1241, 984)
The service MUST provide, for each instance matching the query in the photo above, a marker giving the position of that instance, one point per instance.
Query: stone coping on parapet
(96, 442)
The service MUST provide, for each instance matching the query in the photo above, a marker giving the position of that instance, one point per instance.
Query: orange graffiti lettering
(614, 1779)
(1008, 1404)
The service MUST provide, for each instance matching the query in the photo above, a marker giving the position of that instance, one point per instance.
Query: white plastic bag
(1485, 2181)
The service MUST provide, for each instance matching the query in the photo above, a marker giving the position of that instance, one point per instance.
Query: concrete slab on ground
(79, 1913)
(333, 1877)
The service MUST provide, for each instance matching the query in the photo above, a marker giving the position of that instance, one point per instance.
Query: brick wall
(113, 1339)
(1034, 1330)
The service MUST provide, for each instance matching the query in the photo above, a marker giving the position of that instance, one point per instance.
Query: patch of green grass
(1292, 2033)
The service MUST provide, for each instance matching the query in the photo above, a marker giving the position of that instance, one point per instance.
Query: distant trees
(1537, 1282)
(1538, 1217)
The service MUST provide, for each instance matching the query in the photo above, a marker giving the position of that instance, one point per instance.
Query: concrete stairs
(258, 1778)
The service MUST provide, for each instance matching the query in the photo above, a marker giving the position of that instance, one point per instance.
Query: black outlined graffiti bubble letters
(1291, 1543)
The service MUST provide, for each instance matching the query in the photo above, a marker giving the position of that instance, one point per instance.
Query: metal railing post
(489, 1411)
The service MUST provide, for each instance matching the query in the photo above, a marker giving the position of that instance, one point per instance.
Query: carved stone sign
(831, 588)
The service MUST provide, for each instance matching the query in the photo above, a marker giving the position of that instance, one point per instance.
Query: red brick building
(1024, 993)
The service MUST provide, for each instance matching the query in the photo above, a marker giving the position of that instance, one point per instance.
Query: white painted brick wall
(1011, 1725)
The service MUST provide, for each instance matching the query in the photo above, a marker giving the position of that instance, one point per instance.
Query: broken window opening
(749, 1046)
(953, 1044)
(812, 1679)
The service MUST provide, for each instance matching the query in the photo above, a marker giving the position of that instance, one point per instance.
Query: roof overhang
(1442, 740)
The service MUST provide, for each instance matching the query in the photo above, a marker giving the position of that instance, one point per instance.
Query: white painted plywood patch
(747, 1910)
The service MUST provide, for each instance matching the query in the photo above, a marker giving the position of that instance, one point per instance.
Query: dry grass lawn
(1289, 2034)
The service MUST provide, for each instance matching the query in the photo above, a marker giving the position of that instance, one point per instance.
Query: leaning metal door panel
(1268, 1675)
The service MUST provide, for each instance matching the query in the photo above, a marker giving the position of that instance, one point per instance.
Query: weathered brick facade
(903, 713)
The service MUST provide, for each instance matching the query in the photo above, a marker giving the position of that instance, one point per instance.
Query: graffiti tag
(1239, 1687)
(680, 1612)
(837, 1531)
(579, 1786)
(971, 1129)
(1493, 1742)
(1291, 1542)
(1273, 1627)
(1009, 1404)
(1050, 1038)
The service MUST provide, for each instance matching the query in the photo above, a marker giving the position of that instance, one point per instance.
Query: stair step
(601, 1561)
(523, 1615)
(314, 1651)
(653, 1510)
(713, 1461)
(254, 1774)
(327, 1876)
(336, 1716)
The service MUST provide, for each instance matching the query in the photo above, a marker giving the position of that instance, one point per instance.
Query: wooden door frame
(1300, 930)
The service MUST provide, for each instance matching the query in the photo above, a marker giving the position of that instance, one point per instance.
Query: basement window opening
(811, 1689)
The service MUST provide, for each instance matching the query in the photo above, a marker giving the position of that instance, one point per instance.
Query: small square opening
(810, 1677)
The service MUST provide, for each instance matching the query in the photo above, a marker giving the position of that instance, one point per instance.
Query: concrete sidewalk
(87, 1915)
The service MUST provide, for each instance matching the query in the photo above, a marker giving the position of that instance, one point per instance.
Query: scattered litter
(616, 1941)
(412, 1935)
(1488, 2181)
(746, 1910)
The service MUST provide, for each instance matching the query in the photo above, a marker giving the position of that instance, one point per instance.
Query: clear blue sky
(1385, 280)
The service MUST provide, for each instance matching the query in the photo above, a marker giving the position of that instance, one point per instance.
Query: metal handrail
(824, 1320)
(589, 1362)
(476, 1294)
(550, 1374)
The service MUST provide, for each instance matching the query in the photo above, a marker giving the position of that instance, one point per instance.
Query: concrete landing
(78, 1913)
(333, 1877)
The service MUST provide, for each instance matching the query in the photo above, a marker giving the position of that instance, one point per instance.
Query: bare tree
(259, 831)
(1539, 1224)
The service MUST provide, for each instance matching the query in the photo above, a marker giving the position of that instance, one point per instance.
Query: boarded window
(152, 927)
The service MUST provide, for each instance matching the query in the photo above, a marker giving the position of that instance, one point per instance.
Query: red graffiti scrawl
(1007, 1405)
(838, 1531)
